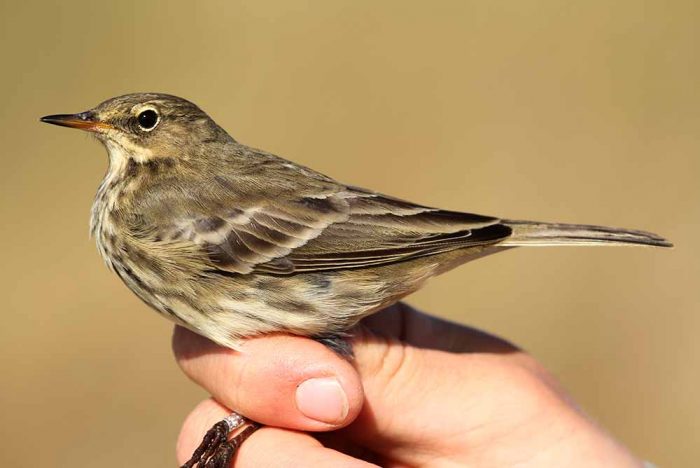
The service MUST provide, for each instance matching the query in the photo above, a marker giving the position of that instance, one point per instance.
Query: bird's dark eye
(148, 119)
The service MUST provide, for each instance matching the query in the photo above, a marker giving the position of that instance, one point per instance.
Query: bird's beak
(83, 121)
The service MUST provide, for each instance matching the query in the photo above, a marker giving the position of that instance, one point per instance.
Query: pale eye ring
(148, 119)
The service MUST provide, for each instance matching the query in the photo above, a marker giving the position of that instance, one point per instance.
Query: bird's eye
(148, 119)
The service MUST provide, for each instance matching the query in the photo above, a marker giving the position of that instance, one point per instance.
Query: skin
(421, 392)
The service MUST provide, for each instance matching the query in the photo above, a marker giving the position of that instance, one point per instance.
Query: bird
(232, 242)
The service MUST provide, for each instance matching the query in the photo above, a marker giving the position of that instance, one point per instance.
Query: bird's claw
(215, 450)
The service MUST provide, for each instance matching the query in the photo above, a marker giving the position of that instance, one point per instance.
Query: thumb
(277, 380)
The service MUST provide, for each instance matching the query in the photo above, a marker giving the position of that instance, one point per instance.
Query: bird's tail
(530, 233)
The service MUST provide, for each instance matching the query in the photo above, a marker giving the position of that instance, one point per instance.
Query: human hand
(421, 391)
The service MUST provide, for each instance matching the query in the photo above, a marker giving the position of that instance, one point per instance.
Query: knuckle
(384, 360)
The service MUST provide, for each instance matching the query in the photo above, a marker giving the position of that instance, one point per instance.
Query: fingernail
(322, 399)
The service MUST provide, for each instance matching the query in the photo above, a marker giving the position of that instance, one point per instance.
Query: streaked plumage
(231, 241)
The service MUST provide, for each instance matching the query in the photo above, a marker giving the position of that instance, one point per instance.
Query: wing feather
(338, 231)
(305, 222)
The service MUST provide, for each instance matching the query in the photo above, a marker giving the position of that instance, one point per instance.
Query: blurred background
(563, 111)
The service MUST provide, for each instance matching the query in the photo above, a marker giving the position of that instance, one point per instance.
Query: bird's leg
(215, 450)
(223, 455)
(340, 343)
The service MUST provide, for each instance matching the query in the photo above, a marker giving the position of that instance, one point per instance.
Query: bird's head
(144, 126)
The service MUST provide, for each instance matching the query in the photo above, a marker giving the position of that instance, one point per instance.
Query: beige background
(551, 110)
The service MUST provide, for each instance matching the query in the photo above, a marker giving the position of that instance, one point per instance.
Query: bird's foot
(216, 450)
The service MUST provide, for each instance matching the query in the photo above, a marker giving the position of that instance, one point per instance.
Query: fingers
(276, 380)
(266, 447)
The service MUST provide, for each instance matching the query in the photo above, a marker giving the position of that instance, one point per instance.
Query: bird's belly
(230, 308)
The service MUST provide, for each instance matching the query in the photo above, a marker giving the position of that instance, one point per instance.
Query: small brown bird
(231, 241)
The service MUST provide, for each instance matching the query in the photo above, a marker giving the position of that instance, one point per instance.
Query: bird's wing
(260, 237)
(342, 230)
(305, 222)
(381, 230)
